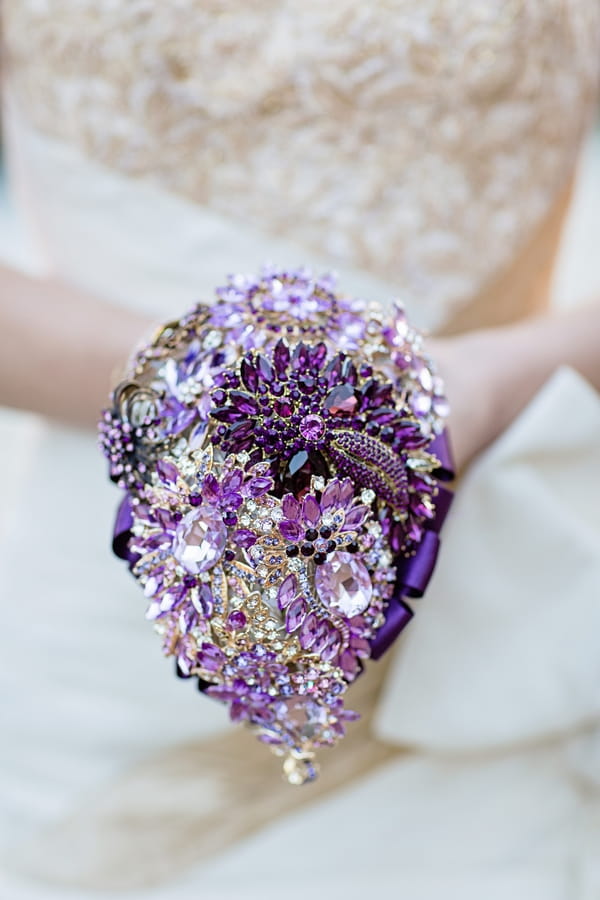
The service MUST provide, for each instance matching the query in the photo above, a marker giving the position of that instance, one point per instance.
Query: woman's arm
(492, 374)
(59, 347)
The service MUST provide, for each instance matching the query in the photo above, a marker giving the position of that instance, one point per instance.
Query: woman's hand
(59, 347)
(491, 375)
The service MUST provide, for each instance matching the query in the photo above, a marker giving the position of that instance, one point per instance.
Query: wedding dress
(423, 151)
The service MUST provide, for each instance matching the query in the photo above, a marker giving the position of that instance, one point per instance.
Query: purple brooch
(281, 453)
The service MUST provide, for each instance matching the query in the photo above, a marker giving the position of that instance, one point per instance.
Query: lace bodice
(422, 142)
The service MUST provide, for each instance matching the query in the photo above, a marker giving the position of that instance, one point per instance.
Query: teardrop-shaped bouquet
(281, 453)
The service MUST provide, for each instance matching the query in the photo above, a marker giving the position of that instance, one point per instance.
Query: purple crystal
(311, 511)
(290, 507)
(344, 584)
(243, 402)
(296, 614)
(227, 414)
(244, 538)
(341, 401)
(287, 591)
(331, 648)
(211, 490)
(258, 486)
(321, 636)
(203, 601)
(356, 517)
(308, 632)
(317, 354)
(331, 495)
(210, 657)
(291, 531)
(236, 620)
(312, 427)
(265, 369)
(249, 375)
(200, 539)
(281, 357)
(283, 408)
(167, 472)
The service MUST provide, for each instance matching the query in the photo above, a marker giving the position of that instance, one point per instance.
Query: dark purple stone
(244, 402)
(341, 401)
(249, 375)
(307, 384)
(281, 357)
(236, 620)
(291, 531)
(244, 538)
(283, 408)
(227, 414)
(241, 434)
(334, 370)
(265, 369)
(300, 359)
(316, 355)
(349, 371)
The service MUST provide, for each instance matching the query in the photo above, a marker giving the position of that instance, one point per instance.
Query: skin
(60, 350)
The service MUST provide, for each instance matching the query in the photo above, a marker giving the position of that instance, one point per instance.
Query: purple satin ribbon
(440, 447)
(122, 532)
(414, 573)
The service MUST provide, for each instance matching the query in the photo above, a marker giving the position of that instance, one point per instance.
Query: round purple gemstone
(236, 620)
(312, 427)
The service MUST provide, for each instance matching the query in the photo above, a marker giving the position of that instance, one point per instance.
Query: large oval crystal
(344, 584)
(200, 539)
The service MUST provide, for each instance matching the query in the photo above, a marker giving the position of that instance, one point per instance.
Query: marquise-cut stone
(296, 614)
(200, 539)
(344, 584)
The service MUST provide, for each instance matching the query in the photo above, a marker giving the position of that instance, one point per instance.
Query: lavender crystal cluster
(275, 453)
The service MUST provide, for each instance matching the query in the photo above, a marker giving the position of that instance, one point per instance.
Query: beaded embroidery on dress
(421, 142)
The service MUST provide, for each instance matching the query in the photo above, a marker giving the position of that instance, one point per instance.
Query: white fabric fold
(505, 647)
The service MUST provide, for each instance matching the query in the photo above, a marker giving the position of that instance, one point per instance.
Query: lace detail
(421, 142)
